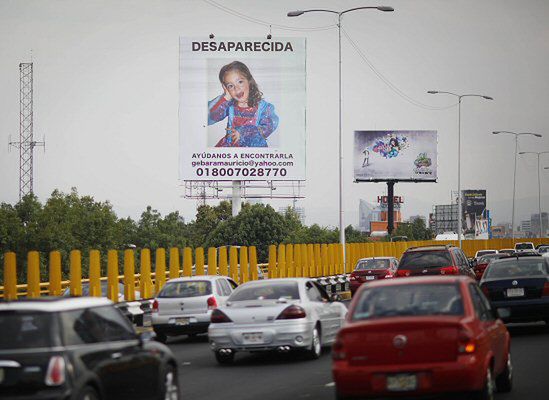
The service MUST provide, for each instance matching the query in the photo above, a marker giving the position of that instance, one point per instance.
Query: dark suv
(434, 260)
(79, 349)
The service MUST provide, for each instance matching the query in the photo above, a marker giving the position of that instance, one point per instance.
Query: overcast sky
(106, 95)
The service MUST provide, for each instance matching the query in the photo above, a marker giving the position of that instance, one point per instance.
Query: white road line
(331, 384)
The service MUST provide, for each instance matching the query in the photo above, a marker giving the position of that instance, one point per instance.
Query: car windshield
(25, 330)
(489, 257)
(409, 300)
(425, 259)
(484, 252)
(186, 289)
(524, 246)
(266, 291)
(372, 264)
(516, 268)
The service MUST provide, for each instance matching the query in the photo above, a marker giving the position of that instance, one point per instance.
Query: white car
(275, 315)
(184, 305)
(481, 253)
(524, 246)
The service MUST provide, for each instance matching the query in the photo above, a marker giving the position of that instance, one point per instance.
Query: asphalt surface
(288, 377)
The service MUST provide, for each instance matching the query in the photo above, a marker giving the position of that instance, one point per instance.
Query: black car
(79, 349)
(519, 286)
(434, 260)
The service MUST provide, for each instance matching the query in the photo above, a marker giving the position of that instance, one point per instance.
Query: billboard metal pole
(390, 206)
(237, 197)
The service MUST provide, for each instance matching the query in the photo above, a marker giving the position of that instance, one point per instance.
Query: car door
(320, 301)
(135, 372)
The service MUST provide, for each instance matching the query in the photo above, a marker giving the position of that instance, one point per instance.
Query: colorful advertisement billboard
(473, 204)
(395, 155)
(242, 109)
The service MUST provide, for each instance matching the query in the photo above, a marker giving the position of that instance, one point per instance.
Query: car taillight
(155, 306)
(292, 312)
(403, 272)
(212, 303)
(545, 289)
(466, 343)
(338, 350)
(452, 270)
(219, 317)
(55, 375)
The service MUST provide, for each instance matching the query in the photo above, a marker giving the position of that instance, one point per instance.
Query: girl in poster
(250, 119)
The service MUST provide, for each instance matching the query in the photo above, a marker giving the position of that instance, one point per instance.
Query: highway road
(276, 377)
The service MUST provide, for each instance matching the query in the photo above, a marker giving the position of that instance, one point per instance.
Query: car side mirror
(335, 297)
(146, 336)
(503, 313)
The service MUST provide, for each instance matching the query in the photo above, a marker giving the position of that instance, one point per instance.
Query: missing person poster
(242, 109)
(395, 155)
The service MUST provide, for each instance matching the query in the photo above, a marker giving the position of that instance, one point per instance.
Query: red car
(421, 336)
(479, 266)
(372, 268)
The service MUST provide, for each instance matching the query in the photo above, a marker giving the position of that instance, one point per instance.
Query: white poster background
(397, 167)
(280, 76)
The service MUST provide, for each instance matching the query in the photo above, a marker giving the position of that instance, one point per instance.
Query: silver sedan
(275, 314)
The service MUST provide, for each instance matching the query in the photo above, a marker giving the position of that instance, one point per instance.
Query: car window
(511, 268)
(409, 300)
(481, 306)
(524, 246)
(233, 284)
(266, 291)
(322, 291)
(186, 289)
(219, 287)
(372, 264)
(25, 330)
(116, 326)
(425, 259)
(312, 292)
(226, 287)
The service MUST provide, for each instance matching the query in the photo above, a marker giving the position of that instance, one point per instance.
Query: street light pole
(459, 96)
(515, 170)
(340, 147)
(538, 153)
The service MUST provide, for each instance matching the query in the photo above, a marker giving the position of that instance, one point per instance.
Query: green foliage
(415, 230)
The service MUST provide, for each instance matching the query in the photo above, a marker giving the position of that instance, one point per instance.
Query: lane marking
(331, 384)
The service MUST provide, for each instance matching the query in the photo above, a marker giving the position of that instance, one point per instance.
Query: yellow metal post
(55, 274)
(145, 272)
(297, 260)
(311, 260)
(112, 275)
(223, 263)
(253, 263)
(282, 272)
(324, 259)
(272, 262)
(290, 268)
(76, 273)
(318, 260)
(304, 261)
(339, 259)
(349, 266)
(199, 253)
(187, 261)
(95, 273)
(174, 263)
(244, 267)
(331, 259)
(212, 261)
(10, 276)
(160, 269)
(233, 262)
(129, 275)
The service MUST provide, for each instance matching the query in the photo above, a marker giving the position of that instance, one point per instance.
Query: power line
(385, 80)
(265, 23)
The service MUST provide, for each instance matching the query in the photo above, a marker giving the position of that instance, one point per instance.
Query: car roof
(433, 279)
(198, 278)
(431, 248)
(375, 258)
(54, 304)
(278, 280)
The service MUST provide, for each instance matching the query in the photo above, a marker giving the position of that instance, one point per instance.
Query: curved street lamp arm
(380, 8)
(297, 13)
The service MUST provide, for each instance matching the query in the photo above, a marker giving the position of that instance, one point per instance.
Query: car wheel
(161, 337)
(315, 350)
(170, 389)
(487, 392)
(224, 359)
(504, 381)
(88, 393)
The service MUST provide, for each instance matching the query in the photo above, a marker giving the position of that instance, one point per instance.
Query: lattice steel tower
(26, 143)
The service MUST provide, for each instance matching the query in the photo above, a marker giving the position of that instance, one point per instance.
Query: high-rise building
(445, 218)
(367, 213)
(534, 224)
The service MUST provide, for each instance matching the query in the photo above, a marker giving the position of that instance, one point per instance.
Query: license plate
(370, 278)
(401, 382)
(180, 321)
(515, 292)
(252, 337)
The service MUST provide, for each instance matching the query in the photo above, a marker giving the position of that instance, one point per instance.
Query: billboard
(242, 109)
(473, 204)
(395, 155)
